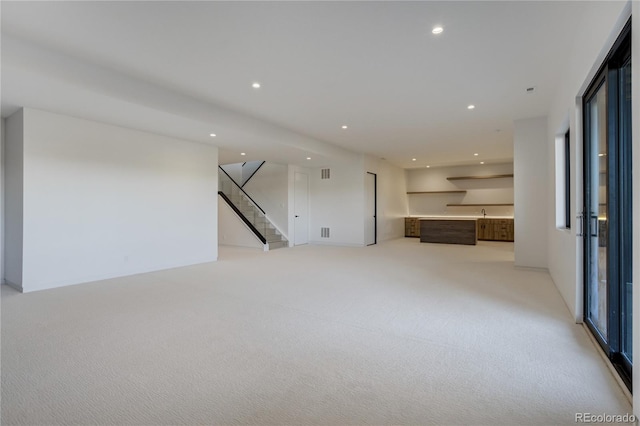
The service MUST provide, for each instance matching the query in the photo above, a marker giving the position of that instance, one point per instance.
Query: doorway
(301, 209)
(370, 216)
(607, 223)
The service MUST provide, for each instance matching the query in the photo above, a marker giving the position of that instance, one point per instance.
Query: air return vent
(324, 232)
(325, 173)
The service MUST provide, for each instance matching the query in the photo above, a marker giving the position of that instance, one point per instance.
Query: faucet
(484, 212)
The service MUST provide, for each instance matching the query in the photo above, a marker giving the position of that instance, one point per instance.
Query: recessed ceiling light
(471, 107)
(437, 30)
(413, 159)
(243, 153)
(213, 135)
(344, 127)
(256, 85)
(308, 158)
(428, 167)
(482, 162)
(475, 154)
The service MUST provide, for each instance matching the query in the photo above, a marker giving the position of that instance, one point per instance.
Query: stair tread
(274, 246)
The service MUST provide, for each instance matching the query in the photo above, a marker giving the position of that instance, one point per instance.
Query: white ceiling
(185, 69)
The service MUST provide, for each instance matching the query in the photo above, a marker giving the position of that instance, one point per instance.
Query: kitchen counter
(460, 217)
(448, 228)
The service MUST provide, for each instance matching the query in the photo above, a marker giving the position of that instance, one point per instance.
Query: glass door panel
(626, 220)
(596, 214)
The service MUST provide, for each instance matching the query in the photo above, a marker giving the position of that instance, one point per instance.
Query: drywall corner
(13, 180)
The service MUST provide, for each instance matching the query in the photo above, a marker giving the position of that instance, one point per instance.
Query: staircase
(250, 213)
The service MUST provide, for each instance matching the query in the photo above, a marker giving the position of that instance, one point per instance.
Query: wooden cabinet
(485, 229)
(411, 227)
(495, 229)
(503, 229)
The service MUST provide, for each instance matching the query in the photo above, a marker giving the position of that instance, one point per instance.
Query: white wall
(232, 231)
(489, 191)
(102, 201)
(269, 187)
(594, 38)
(530, 192)
(391, 194)
(13, 207)
(338, 203)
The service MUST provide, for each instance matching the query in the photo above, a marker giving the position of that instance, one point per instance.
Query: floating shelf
(479, 205)
(480, 177)
(438, 192)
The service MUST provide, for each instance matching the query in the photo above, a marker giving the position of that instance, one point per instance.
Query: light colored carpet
(398, 333)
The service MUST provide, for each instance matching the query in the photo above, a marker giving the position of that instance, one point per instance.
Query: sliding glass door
(596, 242)
(607, 208)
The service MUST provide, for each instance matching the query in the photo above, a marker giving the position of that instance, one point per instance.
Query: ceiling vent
(325, 174)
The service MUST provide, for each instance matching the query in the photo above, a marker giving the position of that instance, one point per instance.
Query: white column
(530, 192)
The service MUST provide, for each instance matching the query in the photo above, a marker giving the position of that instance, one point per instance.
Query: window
(563, 179)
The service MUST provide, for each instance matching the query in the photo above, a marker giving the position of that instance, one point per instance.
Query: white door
(370, 228)
(301, 209)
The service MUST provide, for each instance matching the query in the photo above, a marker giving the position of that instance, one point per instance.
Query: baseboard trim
(144, 269)
(329, 243)
(532, 268)
(610, 366)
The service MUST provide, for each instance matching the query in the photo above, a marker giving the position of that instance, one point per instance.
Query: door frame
(375, 208)
(295, 234)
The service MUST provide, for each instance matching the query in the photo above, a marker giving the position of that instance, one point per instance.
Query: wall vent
(324, 232)
(325, 173)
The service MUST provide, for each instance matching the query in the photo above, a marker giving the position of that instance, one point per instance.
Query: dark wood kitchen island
(448, 231)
